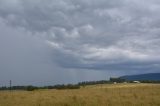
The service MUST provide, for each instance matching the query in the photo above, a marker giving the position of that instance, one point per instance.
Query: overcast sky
(44, 42)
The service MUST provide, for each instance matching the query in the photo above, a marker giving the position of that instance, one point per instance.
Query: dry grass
(99, 95)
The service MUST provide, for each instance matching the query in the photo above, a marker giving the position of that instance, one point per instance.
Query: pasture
(94, 95)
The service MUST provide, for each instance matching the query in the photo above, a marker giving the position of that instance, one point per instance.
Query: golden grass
(97, 95)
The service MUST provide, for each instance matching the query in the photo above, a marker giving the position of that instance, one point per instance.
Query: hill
(149, 76)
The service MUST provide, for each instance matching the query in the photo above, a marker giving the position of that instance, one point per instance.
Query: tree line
(74, 86)
(31, 88)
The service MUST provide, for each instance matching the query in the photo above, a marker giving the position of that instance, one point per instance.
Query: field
(96, 95)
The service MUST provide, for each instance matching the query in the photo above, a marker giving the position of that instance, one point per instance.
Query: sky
(46, 42)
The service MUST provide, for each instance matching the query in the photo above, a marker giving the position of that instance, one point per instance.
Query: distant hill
(149, 76)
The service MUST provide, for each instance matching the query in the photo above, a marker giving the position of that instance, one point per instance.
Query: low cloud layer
(63, 41)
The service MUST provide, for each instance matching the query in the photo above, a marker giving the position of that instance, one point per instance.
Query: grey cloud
(98, 36)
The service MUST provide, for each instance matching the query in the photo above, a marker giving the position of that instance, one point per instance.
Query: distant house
(136, 82)
(115, 82)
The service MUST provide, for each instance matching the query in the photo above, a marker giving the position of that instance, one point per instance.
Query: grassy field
(97, 95)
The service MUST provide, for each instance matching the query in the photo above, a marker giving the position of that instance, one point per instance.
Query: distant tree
(31, 88)
(119, 80)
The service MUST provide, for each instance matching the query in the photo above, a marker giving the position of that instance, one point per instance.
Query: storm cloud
(66, 41)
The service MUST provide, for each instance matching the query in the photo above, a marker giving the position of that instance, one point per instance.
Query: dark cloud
(71, 38)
